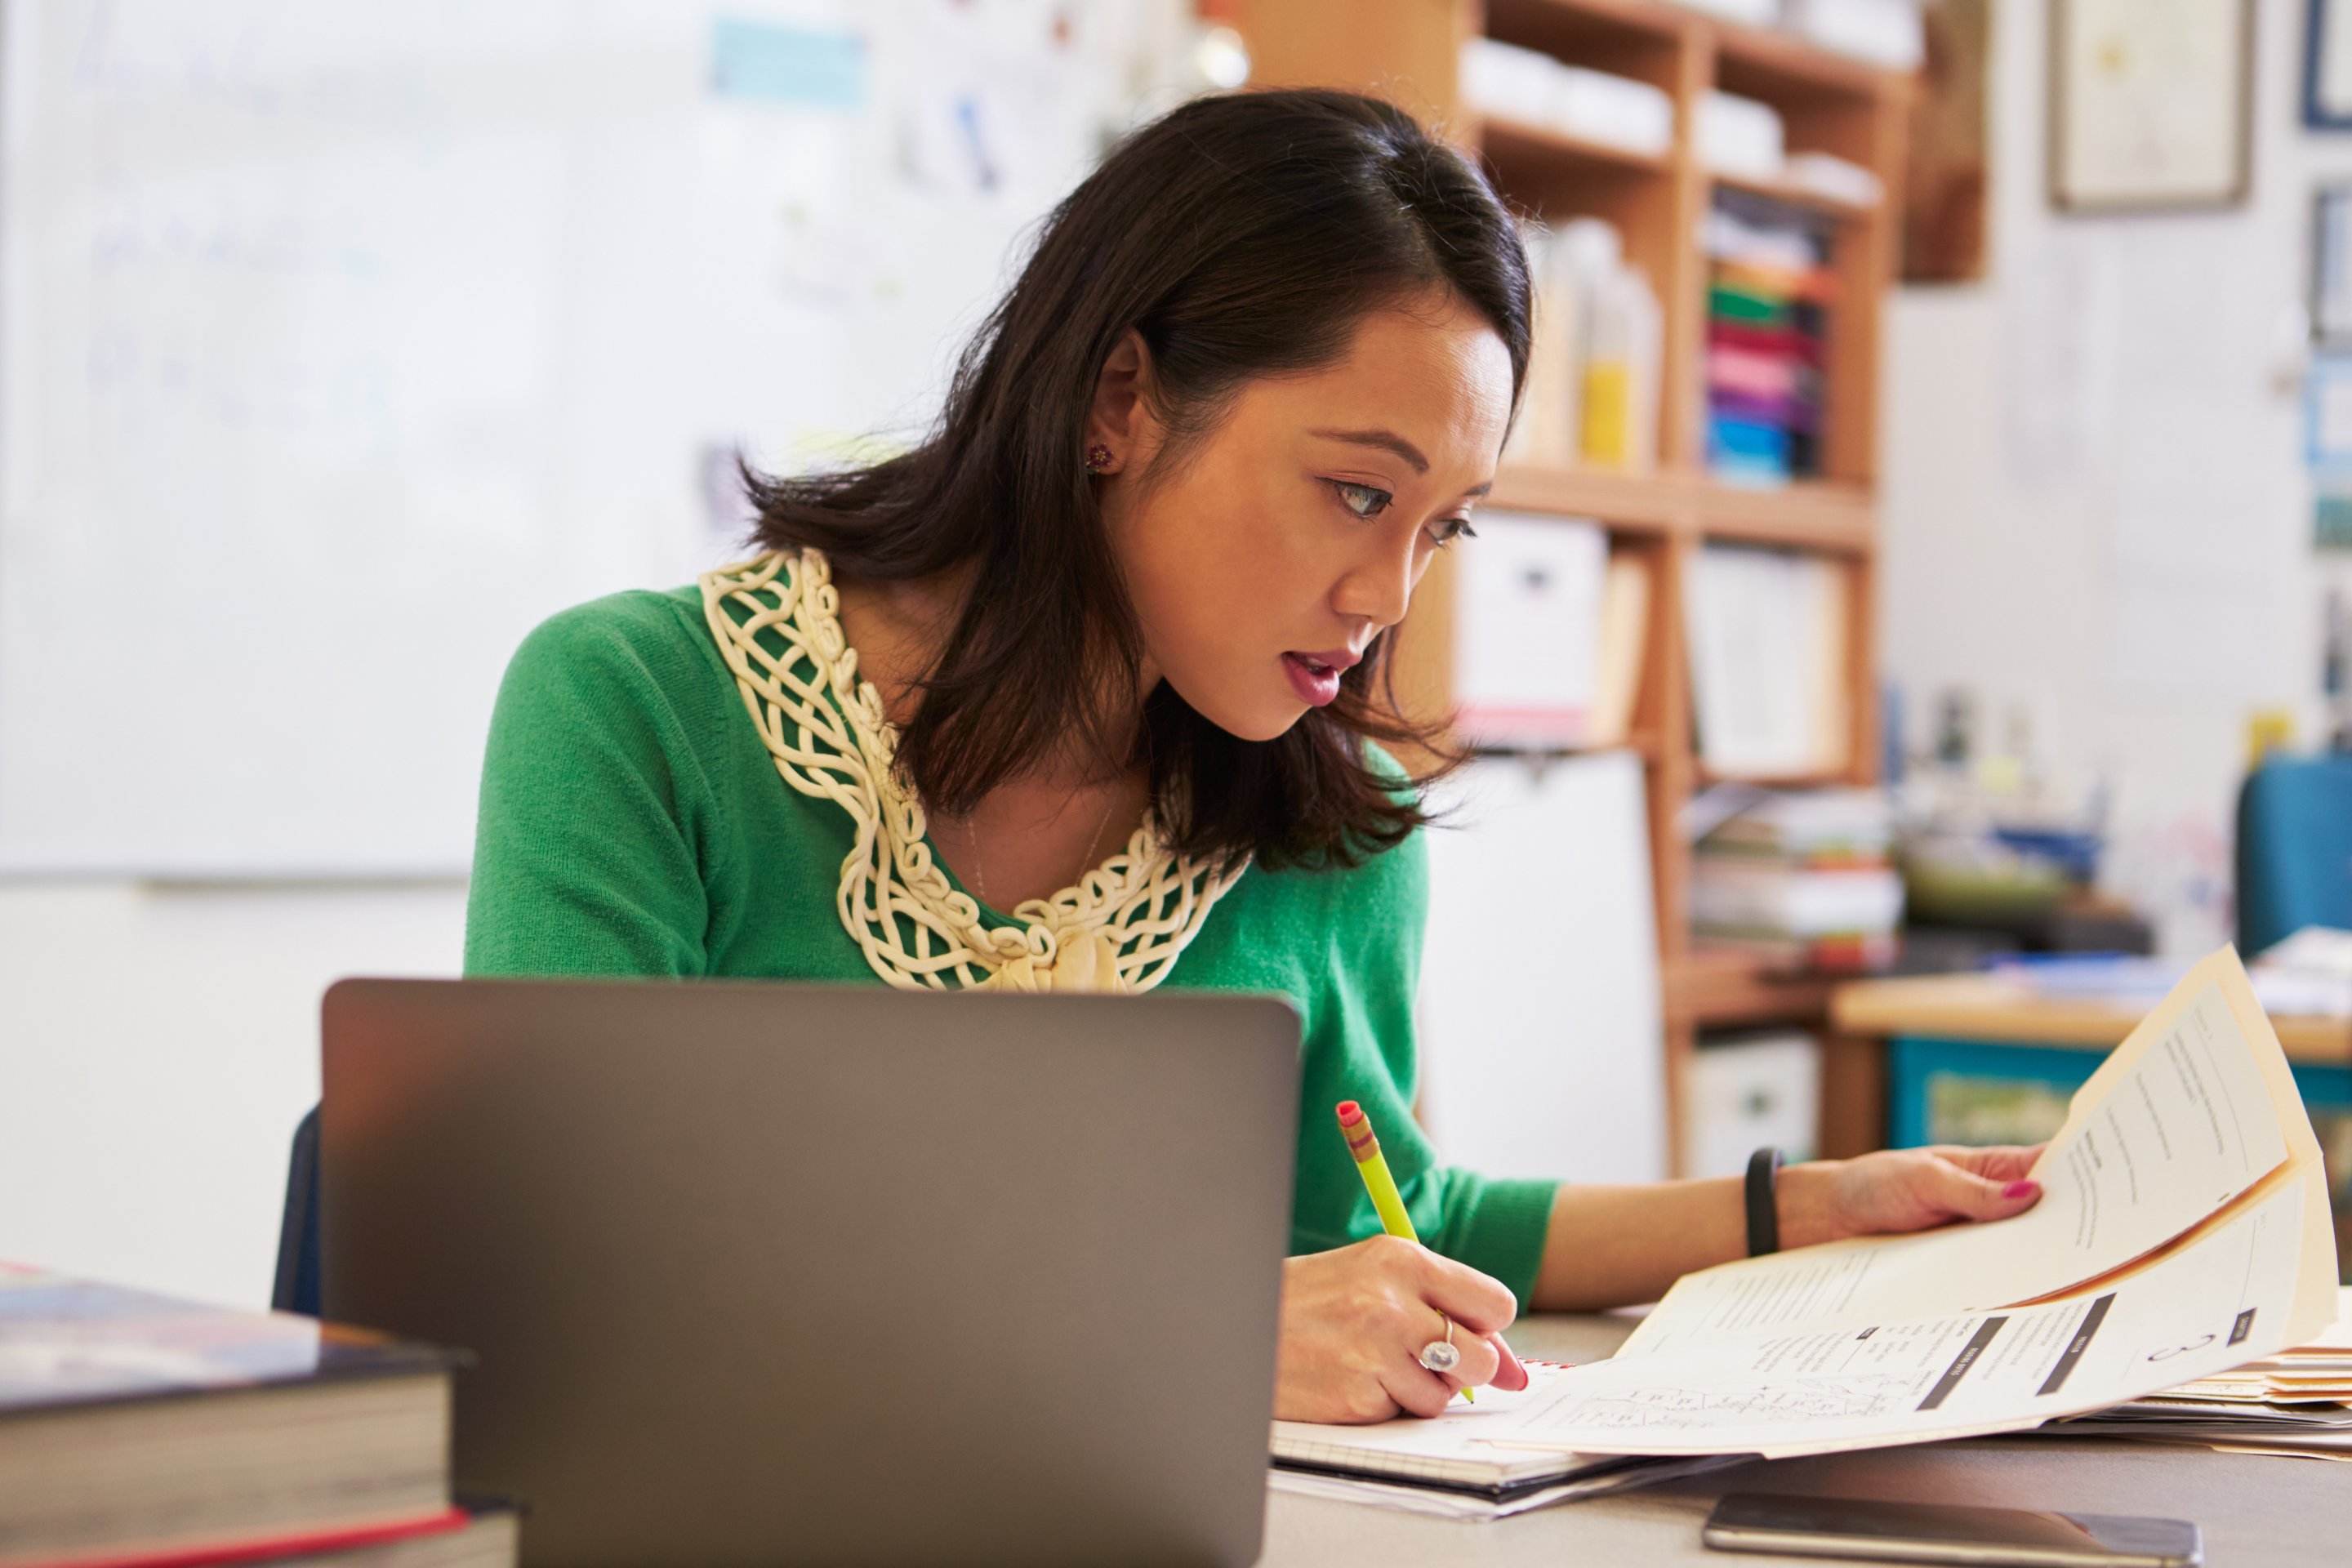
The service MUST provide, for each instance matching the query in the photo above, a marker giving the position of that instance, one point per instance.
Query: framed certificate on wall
(2331, 265)
(2150, 104)
(2327, 66)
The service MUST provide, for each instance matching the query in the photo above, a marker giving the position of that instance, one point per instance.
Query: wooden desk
(1994, 1007)
(1865, 1013)
(2253, 1511)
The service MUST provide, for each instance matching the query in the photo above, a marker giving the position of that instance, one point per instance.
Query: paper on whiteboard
(1542, 1045)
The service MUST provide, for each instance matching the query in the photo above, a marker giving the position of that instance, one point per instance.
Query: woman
(1088, 690)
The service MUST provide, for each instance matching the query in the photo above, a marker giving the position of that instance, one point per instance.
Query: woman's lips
(1316, 682)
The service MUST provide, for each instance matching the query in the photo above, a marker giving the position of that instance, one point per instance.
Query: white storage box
(1887, 33)
(1532, 89)
(1527, 633)
(1742, 136)
(1744, 1094)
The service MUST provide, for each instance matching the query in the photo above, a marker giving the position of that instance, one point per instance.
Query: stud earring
(1098, 458)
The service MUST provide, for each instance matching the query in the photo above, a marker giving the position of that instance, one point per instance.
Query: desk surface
(1989, 1007)
(2254, 1510)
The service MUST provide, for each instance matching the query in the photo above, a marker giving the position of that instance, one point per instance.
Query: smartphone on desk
(1883, 1531)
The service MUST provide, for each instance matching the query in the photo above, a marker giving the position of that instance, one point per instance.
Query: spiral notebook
(1491, 1451)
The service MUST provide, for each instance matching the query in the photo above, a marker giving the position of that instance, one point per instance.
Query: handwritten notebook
(1473, 1449)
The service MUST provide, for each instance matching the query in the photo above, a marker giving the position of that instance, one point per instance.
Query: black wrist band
(1763, 1214)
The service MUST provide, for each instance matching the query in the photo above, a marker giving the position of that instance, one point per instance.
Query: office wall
(157, 1045)
(2096, 509)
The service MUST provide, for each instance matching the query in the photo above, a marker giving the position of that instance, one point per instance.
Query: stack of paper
(1820, 826)
(2316, 1371)
(1468, 1464)
(2297, 1402)
(2302, 1432)
(2183, 1232)
(1804, 879)
(1768, 639)
(2310, 973)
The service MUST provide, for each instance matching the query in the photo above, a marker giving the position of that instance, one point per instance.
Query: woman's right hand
(1354, 1321)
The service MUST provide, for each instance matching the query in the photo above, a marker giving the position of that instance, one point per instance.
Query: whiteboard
(342, 341)
(1543, 1045)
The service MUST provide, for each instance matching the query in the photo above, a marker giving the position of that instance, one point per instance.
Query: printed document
(2183, 1230)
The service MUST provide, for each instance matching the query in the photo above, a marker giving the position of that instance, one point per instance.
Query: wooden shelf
(1711, 987)
(1640, 743)
(1812, 778)
(1655, 501)
(1409, 51)
(1538, 156)
(1579, 28)
(1820, 513)
(1991, 1007)
(1820, 203)
(1780, 67)
(1812, 514)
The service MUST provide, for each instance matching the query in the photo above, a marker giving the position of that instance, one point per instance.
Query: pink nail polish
(1511, 1364)
(2020, 1189)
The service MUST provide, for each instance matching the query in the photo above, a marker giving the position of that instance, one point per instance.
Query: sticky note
(786, 65)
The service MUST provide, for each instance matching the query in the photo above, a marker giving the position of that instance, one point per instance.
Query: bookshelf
(1409, 50)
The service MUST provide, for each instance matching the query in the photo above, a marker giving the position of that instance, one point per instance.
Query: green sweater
(633, 823)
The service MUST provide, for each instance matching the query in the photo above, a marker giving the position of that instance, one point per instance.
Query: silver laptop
(776, 1274)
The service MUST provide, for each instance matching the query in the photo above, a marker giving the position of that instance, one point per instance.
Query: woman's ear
(1121, 429)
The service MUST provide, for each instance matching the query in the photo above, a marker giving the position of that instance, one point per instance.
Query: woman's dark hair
(1241, 236)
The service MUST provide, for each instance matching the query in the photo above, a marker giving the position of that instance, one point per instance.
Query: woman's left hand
(1903, 1189)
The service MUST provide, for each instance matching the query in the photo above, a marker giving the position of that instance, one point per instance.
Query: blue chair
(296, 1289)
(2295, 850)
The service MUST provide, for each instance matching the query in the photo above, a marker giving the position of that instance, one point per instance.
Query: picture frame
(2327, 415)
(2151, 105)
(2331, 265)
(2327, 65)
(2328, 448)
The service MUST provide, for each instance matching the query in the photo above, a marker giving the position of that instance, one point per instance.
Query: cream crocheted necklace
(1121, 929)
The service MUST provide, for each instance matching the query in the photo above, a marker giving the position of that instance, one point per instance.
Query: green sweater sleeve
(585, 857)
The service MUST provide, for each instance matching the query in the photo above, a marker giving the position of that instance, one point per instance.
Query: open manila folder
(2183, 1230)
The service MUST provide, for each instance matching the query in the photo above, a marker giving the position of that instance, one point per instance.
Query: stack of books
(140, 1432)
(1768, 292)
(1805, 878)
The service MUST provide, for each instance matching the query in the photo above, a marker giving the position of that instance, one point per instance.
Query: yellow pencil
(1387, 1201)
